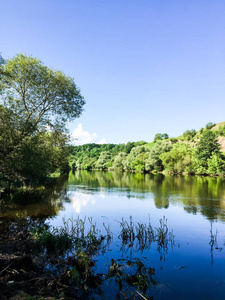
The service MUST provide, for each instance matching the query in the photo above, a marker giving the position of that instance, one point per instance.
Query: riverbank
(25, 273)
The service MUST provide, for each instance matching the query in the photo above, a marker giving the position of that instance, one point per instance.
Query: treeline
(195, 152)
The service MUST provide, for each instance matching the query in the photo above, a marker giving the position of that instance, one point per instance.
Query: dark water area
(192, 267)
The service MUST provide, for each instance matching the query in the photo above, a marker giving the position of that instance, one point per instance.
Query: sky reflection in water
(191, 269)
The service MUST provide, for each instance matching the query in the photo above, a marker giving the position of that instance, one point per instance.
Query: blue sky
(143, 67)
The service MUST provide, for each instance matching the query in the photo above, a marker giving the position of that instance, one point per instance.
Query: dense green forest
(194, 152)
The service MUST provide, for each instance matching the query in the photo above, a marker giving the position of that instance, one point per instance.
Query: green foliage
(170, 155)
(207, 157)
(55, 243)
(150, 145)
(34, 98)
(173, 140)
(221, 131)
(2, 61)
(200, 167)
(216, 165)
(37, 94)
(118, 161)
(140, 143)
(154, 162)
(189, 134)
(104, 161)
(210, 125)
(129, 147)
(136, 159)
(87, 163)
(87, 156)
(60, 240)
(207, 146)
(25, 296)
(178, 159)
(161, 136)
(154, 156)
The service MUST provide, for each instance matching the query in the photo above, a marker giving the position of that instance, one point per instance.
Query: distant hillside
(194, 152)
(192, 136)
(218, 125)
(220, 129)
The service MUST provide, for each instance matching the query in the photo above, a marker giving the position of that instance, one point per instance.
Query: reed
(75, 234)
(143, 235)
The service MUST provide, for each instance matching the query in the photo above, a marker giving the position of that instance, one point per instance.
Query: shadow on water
(31, 202)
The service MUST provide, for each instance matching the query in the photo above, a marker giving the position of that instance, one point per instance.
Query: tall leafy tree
(103, 161)
(118, 161)
(136, 159)
(38, 94)
(161, 136)
(178, 159)
(33, 97)
(207, 147)
(154, 162)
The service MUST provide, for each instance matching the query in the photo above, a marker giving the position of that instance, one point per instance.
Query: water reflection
(205, 195)
(194, 207)
(80, 200)
(43, 203)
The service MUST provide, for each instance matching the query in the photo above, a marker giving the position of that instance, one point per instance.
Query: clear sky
(143, 66)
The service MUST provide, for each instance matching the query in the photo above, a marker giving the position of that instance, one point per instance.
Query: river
(190, 266)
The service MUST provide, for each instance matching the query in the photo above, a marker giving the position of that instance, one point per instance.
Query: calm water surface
(192, 268)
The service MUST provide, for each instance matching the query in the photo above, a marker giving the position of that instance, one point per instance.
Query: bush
(210, 125)
(179, 159)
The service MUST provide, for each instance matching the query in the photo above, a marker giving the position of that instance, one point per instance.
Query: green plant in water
(72, 236)
(131, 274)
(142, 235)
(163, 237)
(127, 231)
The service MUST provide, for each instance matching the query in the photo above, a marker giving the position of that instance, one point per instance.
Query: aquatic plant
(132, 276)
(72, 236)
(213, 242)
(143, 235)
(64, 256)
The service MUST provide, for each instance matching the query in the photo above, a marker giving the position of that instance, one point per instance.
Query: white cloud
(80, 136)
(80, 200)
(102, 141)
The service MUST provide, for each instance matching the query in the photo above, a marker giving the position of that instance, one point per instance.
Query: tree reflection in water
(197, 193)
